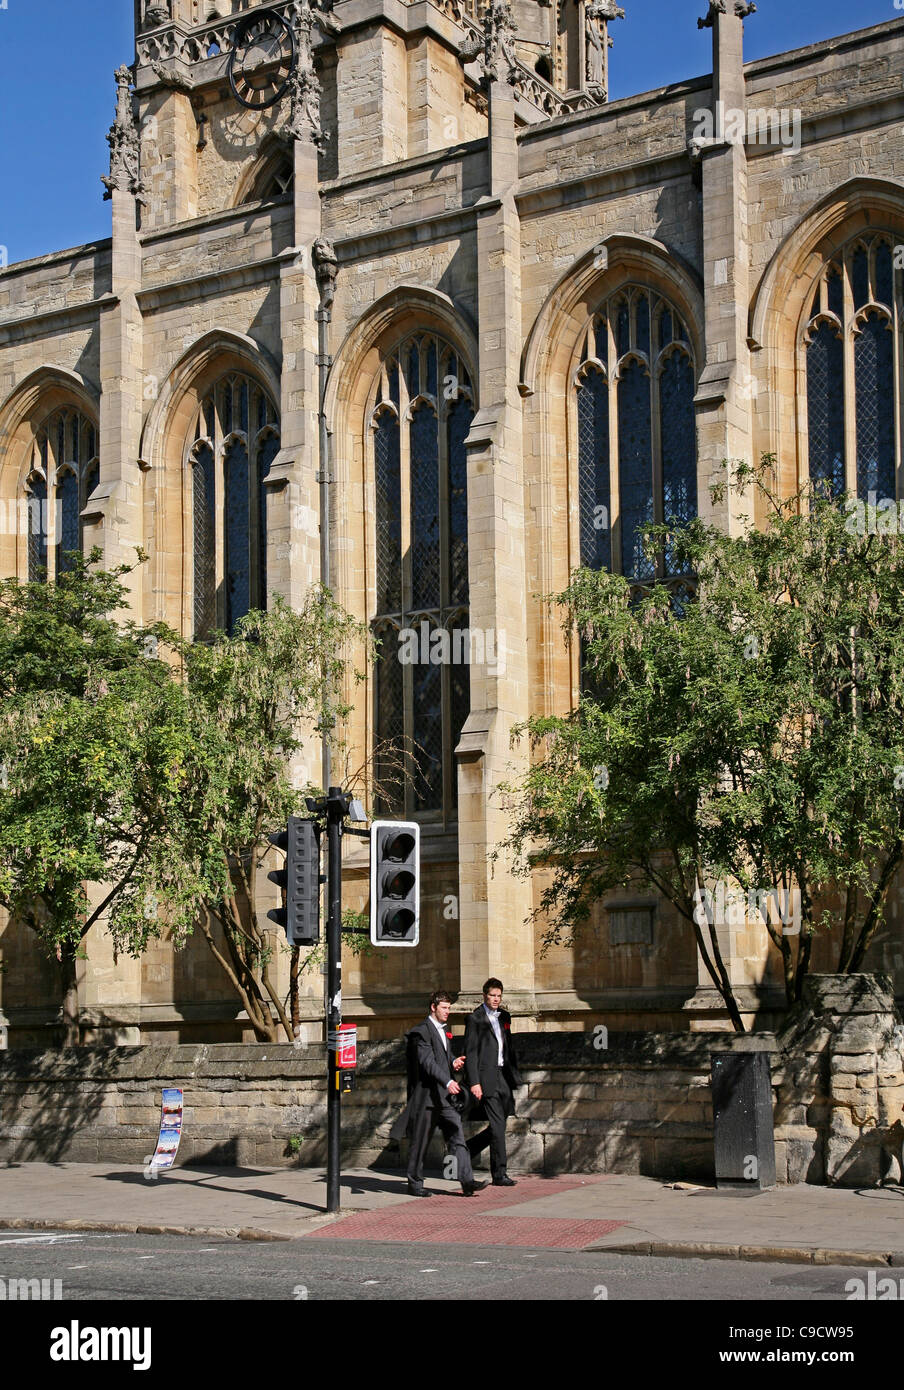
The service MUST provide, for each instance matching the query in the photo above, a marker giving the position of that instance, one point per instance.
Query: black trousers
(449, 1122)
(497, 1108)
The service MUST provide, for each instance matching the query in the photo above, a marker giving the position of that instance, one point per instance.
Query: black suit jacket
(482, 1052)
(429, 1072)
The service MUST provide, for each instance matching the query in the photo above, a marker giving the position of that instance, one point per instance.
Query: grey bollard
(742, 1120)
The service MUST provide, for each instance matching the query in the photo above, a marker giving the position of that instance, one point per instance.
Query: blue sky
(57, 93)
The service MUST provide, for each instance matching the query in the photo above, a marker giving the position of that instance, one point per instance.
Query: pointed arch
(400, 398)
(186, 487)
(615, 261)
(194, 372)
(271, 175)
(581, 376)
(780, 312)
(37, 398)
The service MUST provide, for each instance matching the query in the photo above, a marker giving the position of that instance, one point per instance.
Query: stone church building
(394, 288)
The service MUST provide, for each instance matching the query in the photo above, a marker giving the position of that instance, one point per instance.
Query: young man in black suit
(492, 1075)
(431, 1086)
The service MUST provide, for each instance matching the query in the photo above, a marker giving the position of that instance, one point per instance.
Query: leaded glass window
(235, 442)
(852, 347)
(636, 433)
(64, 472)
(420, 418)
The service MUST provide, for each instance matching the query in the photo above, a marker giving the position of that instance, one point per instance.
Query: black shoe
(504, 1181)
(469, 1188)
(417, 1189)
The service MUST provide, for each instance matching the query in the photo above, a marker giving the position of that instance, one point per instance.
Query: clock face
(260, 63)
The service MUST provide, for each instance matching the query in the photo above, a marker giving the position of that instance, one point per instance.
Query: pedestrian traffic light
(300, 918)
(395, 883)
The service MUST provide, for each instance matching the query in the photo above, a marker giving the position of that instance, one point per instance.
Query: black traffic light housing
(300, 918)
(395, 883)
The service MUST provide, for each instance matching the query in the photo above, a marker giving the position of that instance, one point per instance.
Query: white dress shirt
(441, 1029)
(493, 1016)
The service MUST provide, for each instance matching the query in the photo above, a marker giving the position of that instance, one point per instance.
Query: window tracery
(235, 441)
(636, 432)
(853, 360)
(419, 421)
(64, 471)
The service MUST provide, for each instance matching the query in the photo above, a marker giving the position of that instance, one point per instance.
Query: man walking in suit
(492, 1075)
(431, 1086)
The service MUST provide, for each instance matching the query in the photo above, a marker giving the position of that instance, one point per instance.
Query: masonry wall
(594, 1102)
(400, 191)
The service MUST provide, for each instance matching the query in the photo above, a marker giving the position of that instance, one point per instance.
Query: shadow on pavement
(206, 1181)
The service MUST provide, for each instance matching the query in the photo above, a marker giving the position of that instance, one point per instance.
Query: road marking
(480, 1262)
(371, 1281)
(430, 1271)
(38, 1240)
(76, 1266)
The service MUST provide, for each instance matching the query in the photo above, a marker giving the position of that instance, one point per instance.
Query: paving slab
(615, 1212)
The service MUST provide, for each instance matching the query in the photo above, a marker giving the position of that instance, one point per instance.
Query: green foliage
(159, 777)
(92, 732)
(754, 734)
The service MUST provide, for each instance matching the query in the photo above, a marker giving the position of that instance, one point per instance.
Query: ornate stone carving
(170, 78)
(304, 84)
(124, 142)
(742, 8)
(326, 268)
(155, 15)
(495, 48)
(597, 16)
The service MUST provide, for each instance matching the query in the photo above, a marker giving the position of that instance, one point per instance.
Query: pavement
(613, 1212)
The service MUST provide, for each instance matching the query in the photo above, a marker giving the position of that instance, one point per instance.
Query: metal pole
(323, 360)
(335, 816)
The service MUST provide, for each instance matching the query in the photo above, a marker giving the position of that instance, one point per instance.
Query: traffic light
(395, 883)
(300, 918)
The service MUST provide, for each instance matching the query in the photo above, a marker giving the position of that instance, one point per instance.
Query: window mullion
(442, 454)
(615, 537)
(219, 511)
(410, 753)
(899, 385)
(53, 465)
(850, 394)
(656, 441)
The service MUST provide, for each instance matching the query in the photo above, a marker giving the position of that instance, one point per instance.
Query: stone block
(852, 1164)
(589, 1154)
(525, 1153)
(556, 1153)
(855, 1064)
(683, 1159)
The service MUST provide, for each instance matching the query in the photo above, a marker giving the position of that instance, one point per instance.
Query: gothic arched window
(852, 342)
(64, 472)
(419, 421)
(235, 440)
(636, 435)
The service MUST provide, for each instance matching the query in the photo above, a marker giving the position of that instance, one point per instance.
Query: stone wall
(641, 1105)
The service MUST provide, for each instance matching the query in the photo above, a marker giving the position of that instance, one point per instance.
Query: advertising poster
(164, 1156)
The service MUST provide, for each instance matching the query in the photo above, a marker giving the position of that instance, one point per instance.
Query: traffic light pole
(336, 808)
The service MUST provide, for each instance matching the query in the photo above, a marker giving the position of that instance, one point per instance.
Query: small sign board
(164, 1155)
(345, 1043)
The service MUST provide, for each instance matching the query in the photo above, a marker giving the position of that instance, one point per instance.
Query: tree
(154, 782)
(253, 700)
(751, 734)
(92, 728)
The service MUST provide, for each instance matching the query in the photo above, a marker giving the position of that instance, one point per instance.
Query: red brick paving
(455, 1220)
